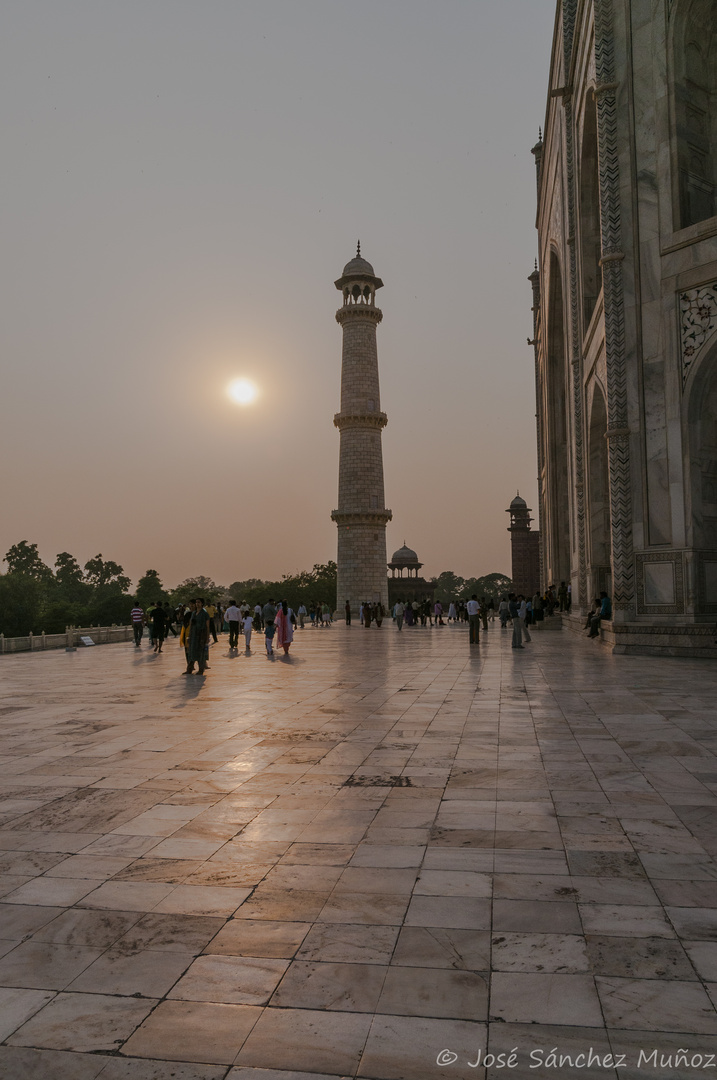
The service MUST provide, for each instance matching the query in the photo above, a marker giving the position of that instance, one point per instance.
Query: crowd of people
(198, 622)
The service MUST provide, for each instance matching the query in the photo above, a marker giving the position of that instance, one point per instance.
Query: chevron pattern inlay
(618, 445)
(569, 10)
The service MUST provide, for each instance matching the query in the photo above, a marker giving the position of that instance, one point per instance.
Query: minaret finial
(358, 249)
(536, 264)
(540, 134)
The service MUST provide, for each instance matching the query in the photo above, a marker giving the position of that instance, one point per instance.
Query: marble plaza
(390, 852)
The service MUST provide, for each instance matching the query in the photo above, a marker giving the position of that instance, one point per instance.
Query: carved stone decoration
(698, 318)
(646, 605)
(569, 9)
(613, 299)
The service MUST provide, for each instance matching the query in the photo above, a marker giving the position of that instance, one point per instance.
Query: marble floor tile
(94, 867)
(453, 883)
(623, 920)
(18, 1005)
(306, 1040)
(351, 988)
(639, 958)
(193, 1031)
(238, 980)
(146, 974)
(437, 992)
(171, 933)
(244, 937)
(435, 947)
(657, 1005)
(365, 907)
(536, 917)
(83, 1022)
(44, 966)
(127, 895)
(449, 912)
(545, 999)
(21, 1062)
(202, 900)
(550, 953)
(407, 1047)
(703, 955)
(53, 891)
(349, 943)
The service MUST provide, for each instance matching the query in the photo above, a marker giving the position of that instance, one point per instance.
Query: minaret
(362, 515)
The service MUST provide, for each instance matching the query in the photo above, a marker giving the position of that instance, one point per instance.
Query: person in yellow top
(211, 612)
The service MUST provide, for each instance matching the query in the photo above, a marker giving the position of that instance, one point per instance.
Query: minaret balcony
(361, 517)
(360, 420)
(358, 311)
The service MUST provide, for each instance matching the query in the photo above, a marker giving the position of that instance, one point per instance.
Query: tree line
(35, 597)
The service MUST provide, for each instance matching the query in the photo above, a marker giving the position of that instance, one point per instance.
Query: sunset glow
(242, 391)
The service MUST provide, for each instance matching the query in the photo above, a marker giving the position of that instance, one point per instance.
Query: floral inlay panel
(698, 317)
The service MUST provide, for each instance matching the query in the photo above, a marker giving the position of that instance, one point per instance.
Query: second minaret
(361, 516)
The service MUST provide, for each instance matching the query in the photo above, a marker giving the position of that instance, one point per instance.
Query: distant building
(404, 583)
(525, 548)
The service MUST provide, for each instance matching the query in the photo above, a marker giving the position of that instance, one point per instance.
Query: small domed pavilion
(405, 582)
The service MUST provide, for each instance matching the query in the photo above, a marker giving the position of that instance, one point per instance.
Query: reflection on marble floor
(389, 848)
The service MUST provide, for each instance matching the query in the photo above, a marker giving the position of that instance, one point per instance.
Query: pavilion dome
(518, 503)
(404, 555)
(358, 267)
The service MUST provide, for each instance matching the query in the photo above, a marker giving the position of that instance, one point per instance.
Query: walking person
(158, 623)
(347, 612)
(284, 626)
(302, 615)
(378, 613)
(398, 612)
(514, 609)
(137, 617)
(268, 614)
(473, 608)
(503, 612)
(184, 630)
(452, 616)
(198, 638)
(248, 626)
(169, 620)
(484, 612)
(367, 616)
(212, 614)
(233, 617)
(438, 611)
(523, 615)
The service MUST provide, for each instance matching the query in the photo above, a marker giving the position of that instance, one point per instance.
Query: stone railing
(100, 635)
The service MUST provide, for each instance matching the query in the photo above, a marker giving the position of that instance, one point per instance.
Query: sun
(242, 391)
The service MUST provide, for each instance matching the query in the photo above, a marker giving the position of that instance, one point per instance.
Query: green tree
(23, 558)
(21, 598)
(448, 586)
(100, 572)
(195, 586)
(491, 585)
(150, 589)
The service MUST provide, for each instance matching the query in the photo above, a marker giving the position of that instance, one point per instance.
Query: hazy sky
(182, 184)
